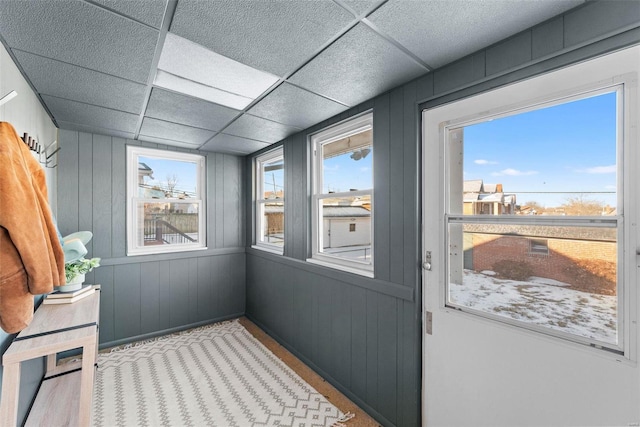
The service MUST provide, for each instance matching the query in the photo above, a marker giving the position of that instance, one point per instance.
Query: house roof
(152, 70)
(345, 211)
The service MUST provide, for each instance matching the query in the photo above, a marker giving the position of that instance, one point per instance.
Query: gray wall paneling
(148, 295)
(364, 335)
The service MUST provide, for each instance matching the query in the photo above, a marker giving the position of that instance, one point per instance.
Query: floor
(361, 419)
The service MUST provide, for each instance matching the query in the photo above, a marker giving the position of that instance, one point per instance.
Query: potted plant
(74, 272)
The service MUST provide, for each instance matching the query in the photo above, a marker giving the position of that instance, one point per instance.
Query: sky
(342, 173)
(185, 171)
(567, 148)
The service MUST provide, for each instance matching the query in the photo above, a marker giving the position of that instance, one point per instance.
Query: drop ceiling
(238, 75)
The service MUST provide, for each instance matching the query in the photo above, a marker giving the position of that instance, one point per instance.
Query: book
(69, 300)
(58, 294)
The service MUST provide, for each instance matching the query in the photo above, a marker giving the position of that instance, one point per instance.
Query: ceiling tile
(296, 107)
(186, 59)
(260, 129)
(173, 131)
(273, 36)
(95, 129)
(90, 115)
(169, 142)
(80, 33)
(357, 67)
(233, 144)
(198, 90)
(62, 80)
(177, 108)
(439, 32)
(149, 12)
(361, 6)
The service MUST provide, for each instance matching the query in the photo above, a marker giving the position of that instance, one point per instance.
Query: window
(538, 247)
(165, 194)
(269, 197)
(546, 179)
(342, 200)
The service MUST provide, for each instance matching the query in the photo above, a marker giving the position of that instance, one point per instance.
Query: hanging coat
(31, 257)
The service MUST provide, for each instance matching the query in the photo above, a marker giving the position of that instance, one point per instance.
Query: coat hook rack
(8, 97)
(44, 155)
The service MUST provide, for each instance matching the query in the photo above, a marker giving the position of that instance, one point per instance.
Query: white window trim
(133, 152)
(345, 129)
(627, 88)
(258, 161)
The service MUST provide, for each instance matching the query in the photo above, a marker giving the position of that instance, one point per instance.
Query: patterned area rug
(217, 375)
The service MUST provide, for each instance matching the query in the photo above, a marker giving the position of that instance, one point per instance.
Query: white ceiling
(237, 75)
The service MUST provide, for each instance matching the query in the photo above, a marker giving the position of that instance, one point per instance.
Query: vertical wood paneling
(179, 287)
(302, 303)
(204, 296)
(127, 300)
(104, 276)
(193, 289)
(211, 192)
(381, 184)
(85, 180)
(68, 182)
(371, 396)
(219, 207)
(150, 296)
(231, 201)
(387, 356)
(341, 333)
(164, 295)
(101, 196)
(118, 197)
(358, 342)
(396, 185)
(411, 179)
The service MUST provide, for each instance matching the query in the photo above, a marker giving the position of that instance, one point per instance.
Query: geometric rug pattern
(216, 375)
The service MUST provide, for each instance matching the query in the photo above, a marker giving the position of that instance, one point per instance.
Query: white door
(531, 318)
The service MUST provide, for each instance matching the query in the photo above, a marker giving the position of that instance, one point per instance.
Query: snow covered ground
(540, 301)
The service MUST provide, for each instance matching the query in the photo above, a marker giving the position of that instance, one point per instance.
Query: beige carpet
(219, 375)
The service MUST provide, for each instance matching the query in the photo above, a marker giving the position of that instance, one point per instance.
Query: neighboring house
(487, 199)
(346, 226)
(577, 256)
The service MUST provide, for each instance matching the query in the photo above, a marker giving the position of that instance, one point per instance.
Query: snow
(540, 301)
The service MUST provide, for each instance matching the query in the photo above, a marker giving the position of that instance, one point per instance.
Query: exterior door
(531, 315)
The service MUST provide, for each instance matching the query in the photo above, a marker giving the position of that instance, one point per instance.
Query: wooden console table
(65, 395)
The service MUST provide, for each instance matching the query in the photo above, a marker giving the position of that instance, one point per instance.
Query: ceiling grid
(236, 76)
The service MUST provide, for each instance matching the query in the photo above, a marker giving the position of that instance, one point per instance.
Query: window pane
(348, 164)
(273, 179)
(164, 178)
(346, 227)
(170, 223)
(570, 288)
(559, 160)
(272, 224)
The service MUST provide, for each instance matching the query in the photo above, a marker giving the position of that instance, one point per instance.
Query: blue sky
(567, 148)
(185, 171)
(342, 173)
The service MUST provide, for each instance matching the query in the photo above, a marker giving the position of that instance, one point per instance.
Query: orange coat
(31, 257)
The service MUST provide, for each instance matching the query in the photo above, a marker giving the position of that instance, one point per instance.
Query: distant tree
(582, 205)
(172, 181)
(535, 206)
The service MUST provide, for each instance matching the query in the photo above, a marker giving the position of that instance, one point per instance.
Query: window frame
(133, 153)
(258, 189)
(623, 86)
(318, 140)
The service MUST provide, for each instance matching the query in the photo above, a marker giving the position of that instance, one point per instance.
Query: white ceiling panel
(357, 67)
(173, 131)
(82, 34)
(68, 81)
(90, 115)
(441, 31)
(260, 129)
(296, 107)
(273, 36)
(146, 11)
(177, 108)
(233, 144)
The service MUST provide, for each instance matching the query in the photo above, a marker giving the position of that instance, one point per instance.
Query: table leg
(10, 394)
(86, 382)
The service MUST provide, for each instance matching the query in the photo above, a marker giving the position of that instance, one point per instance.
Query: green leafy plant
(81, 266)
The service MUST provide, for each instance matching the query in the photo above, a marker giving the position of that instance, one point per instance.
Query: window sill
(273, 250)
(355, 270)
(165, 251)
